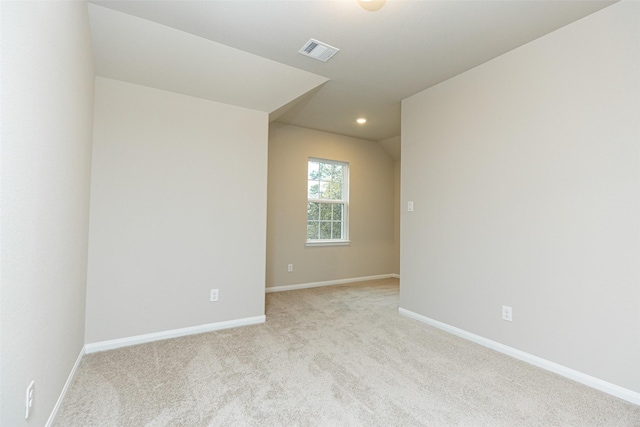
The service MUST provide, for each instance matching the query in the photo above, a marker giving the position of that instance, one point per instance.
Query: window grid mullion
(331, 183)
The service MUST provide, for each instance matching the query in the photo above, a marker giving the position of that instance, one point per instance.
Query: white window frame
(344, 241)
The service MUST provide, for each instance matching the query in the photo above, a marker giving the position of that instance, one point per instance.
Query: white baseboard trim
(328, 283)
(63, 393)
(593, 382)
(174, 333)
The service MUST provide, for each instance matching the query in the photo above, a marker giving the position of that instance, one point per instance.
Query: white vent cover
(318, 50)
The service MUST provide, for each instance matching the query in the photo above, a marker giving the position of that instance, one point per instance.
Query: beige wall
(47, 104)
(178, 207)
(371, 208)
(525, 175)
(397, 172)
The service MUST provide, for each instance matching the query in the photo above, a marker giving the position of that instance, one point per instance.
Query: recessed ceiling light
(361, 120)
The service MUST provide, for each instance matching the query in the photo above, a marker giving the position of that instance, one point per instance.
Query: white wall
(525, 175)
(372, 250)
(47, 101)
(178, 207)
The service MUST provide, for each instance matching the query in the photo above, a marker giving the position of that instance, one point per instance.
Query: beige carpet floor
(333, 356)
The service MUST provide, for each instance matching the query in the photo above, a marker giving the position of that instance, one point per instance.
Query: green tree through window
(327, 200)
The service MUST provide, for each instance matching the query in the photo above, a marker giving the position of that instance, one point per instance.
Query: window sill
(328, 243)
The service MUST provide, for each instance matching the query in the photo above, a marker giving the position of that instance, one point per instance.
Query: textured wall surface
(525, 176)
(47, 104)
(178, 207)
(372, 250)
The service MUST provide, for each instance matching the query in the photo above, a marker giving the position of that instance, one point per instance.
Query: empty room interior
(339, 212)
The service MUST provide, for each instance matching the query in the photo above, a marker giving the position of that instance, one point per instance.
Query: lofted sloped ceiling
(385, 56)
(147, 53)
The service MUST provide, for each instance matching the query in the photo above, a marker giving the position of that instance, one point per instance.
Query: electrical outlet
(507, 313)
(214, 295)
(290, 268)
(29, 400)
(410, 206)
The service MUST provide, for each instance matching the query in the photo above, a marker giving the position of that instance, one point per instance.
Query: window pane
(337, 230)
(313, 171)
(336, 191)
(337, 212)
(325, 171)
(325, 190)
(338, 173)
(325, 230)
(325, 211)
(330, 190)
(312, 230)
(325, 181)
(312, 190)
(313, 211)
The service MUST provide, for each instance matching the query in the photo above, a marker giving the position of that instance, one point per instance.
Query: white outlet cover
(507, 313)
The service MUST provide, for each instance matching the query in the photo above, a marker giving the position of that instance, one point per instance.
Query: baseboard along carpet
(334, 356)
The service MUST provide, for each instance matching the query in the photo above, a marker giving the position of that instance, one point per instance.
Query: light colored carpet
(333, 356)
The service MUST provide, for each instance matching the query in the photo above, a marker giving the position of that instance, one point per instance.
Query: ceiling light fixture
(371, 5)
(361, 120)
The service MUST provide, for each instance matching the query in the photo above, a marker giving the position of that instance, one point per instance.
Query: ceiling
(147, 53)
(384, 57)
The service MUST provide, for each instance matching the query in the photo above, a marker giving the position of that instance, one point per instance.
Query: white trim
(63, 393)
(328, 243)
(174, 333)
(343, 201)
(598, 384)
(328, 283)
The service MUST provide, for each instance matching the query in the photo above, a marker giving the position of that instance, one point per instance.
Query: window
(327, 202)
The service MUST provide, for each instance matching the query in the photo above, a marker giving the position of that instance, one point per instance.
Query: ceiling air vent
(318, 50)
